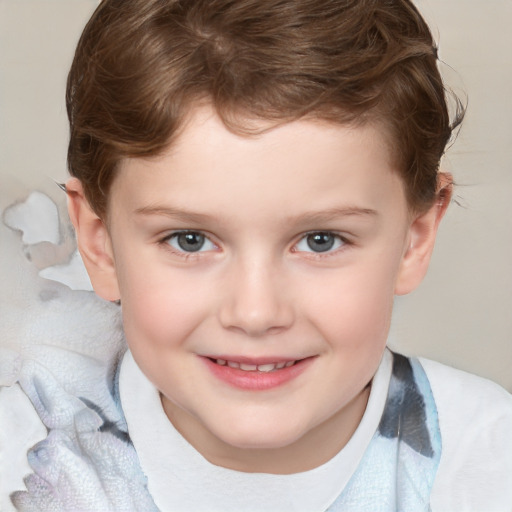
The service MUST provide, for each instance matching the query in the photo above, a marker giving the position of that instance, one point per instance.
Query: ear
(422, 237)
(93, 242)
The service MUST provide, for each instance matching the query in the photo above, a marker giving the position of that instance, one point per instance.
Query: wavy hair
(142, 65)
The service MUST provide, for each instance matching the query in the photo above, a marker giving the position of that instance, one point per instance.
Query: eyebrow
(310, 217)
(177, 213)
(334, 213)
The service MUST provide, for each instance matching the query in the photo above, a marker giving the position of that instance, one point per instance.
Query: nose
(256, 301)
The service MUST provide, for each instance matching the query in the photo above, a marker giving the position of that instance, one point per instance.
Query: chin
(261, 437)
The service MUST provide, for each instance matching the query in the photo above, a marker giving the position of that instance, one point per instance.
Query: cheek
(160, 307)
(344, 305)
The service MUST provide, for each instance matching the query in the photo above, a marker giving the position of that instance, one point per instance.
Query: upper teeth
(253, 367)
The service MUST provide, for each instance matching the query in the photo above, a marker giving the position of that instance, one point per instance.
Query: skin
(257, 289)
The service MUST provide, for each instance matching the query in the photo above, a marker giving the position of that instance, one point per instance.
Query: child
(255, 181)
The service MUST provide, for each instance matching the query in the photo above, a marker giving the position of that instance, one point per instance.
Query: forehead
(280, 167)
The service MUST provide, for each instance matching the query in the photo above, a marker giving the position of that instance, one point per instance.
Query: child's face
(284, 247)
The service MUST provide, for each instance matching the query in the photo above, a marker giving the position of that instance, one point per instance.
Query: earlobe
(422, 237)
(93, 242)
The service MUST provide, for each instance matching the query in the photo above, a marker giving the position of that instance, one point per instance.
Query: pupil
(190, 242)
(320, 242)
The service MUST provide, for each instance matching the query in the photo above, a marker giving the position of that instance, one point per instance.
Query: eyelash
(344, 244)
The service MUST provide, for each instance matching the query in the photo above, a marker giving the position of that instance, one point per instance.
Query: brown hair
(141, 65)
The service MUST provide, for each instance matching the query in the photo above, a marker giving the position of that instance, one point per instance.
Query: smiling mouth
(256, 374)
(264, 368)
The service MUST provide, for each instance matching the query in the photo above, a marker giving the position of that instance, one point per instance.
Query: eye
(190, 241)
(321, 241)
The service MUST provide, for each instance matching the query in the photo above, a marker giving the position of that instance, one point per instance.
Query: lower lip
(254, 380)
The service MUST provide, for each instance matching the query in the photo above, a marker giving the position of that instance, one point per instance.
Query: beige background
(462, 315)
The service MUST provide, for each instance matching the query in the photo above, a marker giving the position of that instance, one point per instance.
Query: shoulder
(475, 418)
(460, 393)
